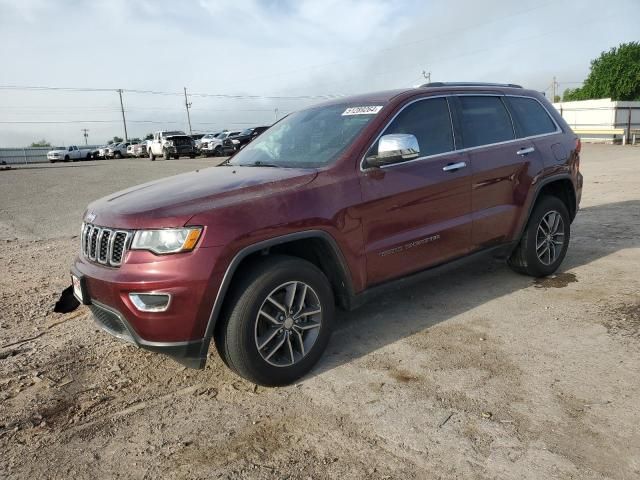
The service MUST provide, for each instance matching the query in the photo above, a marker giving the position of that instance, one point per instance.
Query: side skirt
(501, 252)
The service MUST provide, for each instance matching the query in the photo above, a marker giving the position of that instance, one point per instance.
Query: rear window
(485, 120)
(530, 117)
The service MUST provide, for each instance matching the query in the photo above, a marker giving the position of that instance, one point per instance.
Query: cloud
(273, 47)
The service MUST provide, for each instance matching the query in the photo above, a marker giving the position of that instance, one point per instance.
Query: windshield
(221, 135)
(309, 138)
(248, 131)
(177, 132)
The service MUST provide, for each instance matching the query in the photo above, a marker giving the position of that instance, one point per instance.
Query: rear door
(416, 213)
(499, 164)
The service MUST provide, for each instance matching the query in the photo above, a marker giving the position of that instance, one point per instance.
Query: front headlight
(170, 143)
(170, 240)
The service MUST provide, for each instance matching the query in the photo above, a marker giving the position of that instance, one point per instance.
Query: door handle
(454, 166)
(525, 151)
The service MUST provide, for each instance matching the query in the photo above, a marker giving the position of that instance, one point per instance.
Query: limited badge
(364, 110)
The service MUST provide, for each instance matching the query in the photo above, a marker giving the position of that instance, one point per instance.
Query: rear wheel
(152, 157)
(66, 158)
(118, 155)
(545, 240)
(278, 322)
(166, 155)
(218, 152)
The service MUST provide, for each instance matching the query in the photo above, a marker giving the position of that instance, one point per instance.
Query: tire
(242, 328)
(218, 152)
(152, 157)
(117, 155)
(89, 157)
(166, 155)
(536, 255)
(176, 157)
(192, 157)
(66, 158)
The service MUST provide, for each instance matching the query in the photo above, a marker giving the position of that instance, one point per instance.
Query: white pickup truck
(171, 144)
(69, 154)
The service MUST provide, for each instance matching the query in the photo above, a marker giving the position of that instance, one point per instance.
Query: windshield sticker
(365, 110)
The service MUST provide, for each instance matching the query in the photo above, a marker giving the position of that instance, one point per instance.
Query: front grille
(104, 245)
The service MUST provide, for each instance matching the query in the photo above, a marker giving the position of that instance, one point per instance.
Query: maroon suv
(329, 206)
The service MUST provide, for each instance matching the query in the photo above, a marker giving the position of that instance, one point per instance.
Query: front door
(416, 213)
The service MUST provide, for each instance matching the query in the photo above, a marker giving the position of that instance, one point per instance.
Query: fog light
(150, 302)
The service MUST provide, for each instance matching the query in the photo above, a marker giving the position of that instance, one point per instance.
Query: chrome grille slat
(104, 245)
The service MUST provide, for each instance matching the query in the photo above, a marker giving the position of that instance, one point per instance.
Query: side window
(530, 117)
(429, 121)
(484, 120)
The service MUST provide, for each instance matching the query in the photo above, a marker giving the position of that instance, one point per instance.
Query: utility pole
(188, 105)
(427, 76)
(85, 134)
(124, 121)
(554, 89)
(275, 111)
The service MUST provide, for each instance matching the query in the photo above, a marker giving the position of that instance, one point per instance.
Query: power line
(156, 92)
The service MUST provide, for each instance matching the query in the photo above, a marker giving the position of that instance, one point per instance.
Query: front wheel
(152, 157)
(166, 155)
(118, 155)
(545, 240)
(278, 322)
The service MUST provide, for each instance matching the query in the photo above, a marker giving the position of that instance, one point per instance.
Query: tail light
(578, 145)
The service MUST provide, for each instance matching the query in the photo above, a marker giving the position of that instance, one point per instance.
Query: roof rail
(469, 84)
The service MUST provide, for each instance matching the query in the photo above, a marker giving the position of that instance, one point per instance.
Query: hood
(172, 201)
(59, 152)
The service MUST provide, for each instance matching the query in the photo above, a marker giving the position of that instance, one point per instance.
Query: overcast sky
(273, 48)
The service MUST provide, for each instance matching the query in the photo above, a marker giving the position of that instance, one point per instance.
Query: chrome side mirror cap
(394, 148)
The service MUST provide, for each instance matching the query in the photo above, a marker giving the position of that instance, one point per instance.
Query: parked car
(171, 144)
(102, 151)
(95, 153)
(205, 139)
(333, 205)
(236, 142)
(214, 146)
(117, 150)
(68, 154)
(139, 149)
(130, 149)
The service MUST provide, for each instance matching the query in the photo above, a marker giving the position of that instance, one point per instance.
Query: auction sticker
(364, 110)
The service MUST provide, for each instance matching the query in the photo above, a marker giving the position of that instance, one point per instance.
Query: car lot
(479, 373)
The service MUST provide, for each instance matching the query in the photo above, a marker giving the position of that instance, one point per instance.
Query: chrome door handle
(525, 151)
(454, 166)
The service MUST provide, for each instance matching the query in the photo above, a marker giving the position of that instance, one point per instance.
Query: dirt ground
(481, 373)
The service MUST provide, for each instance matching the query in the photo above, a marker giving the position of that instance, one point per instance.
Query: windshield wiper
(260, 164)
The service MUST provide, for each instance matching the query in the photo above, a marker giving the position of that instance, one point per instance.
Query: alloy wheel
(288, 324)
(550, 237)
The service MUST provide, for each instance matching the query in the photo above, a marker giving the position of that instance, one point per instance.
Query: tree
(41, 143)
(148, 136)
(118, 140)
(614, 74)
(134, 140)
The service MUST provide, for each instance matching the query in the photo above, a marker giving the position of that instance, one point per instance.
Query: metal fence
(25, 156)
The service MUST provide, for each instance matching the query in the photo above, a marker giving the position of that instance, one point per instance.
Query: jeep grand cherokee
(331, 205)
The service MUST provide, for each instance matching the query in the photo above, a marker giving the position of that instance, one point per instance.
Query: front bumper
(192, 281)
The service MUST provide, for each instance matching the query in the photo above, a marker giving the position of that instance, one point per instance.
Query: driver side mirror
(394, 148)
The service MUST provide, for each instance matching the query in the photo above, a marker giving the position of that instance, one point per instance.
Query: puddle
(560, 280)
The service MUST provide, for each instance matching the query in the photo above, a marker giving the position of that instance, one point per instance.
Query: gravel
(482, 373)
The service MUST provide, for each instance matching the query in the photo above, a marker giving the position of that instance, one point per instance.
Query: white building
(601, 114)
